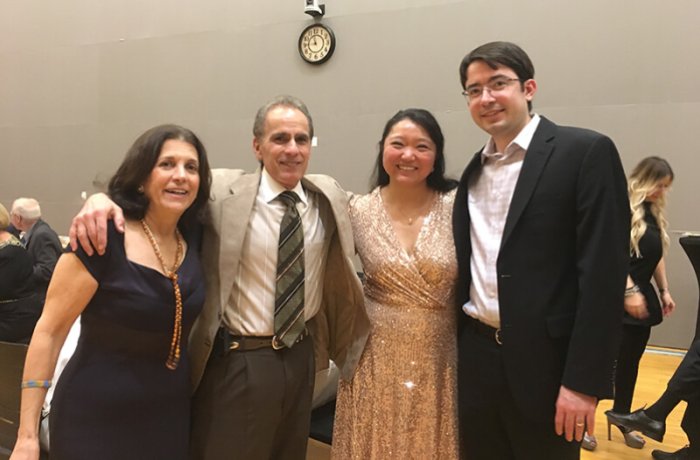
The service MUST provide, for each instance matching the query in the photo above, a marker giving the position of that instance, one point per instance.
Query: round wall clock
(316, 44)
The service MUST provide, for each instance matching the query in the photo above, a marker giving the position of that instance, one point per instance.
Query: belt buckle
(497, 336)
(276, 343)
(235, 344)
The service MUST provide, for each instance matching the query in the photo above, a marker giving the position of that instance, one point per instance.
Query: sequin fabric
(401, 403)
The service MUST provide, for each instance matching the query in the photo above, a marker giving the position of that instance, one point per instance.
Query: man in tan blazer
(253, 395)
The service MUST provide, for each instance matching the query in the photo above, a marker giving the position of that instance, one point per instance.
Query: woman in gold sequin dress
(401, 403)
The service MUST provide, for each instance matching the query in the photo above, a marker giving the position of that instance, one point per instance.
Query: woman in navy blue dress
(125, 392)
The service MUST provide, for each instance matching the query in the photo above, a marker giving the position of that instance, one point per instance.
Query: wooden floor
(656, 368)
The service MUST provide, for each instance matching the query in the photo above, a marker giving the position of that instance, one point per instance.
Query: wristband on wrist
(36, 384)
(630, 291)
(662, 290)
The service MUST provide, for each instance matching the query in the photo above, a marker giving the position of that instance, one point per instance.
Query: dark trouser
(491, 424)
(634, 341)
(254, 405)
(685, 384)
(691, 426)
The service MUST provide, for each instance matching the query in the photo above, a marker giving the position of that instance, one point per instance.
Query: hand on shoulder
(89, 227)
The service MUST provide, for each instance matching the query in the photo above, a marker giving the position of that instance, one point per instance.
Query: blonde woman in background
(649, 241)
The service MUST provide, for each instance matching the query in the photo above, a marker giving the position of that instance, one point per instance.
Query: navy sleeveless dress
(116, 399)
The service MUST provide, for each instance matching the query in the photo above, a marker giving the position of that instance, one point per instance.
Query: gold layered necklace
(174, 353)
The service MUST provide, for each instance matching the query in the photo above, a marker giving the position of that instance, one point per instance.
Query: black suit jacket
(691, 246)
(561, 267)
(45, 248)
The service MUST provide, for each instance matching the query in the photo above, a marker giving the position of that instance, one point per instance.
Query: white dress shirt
(251, 307)
(489, 201)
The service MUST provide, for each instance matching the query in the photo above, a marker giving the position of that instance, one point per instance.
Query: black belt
(484, 330)
(232, 342)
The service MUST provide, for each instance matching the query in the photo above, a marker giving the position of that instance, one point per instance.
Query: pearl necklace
(174, 353)
(409, 220)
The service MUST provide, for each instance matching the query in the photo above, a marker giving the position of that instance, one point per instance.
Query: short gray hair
(27, 208)
(280, 101)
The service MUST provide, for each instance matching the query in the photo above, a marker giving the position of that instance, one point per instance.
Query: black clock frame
(331, 49)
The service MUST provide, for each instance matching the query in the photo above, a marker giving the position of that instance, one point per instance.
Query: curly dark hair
(140, 161)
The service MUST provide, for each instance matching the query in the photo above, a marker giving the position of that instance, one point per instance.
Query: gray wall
(81, 79)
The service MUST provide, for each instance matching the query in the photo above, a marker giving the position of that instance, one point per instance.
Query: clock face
(316, 44)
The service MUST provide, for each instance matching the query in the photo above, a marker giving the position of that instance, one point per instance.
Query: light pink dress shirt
(489, 200)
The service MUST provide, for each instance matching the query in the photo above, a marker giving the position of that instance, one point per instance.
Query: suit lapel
(337, 204)
(472, 167)
(235, 216)
(538, 153)
(460, 219)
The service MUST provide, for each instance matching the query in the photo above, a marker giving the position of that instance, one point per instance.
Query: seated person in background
(39, 239)
(684, 385)
(20, 307)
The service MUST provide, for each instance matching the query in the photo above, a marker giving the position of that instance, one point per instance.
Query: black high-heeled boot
(638, 421)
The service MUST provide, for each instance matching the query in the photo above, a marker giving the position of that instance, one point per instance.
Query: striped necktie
(289, 291)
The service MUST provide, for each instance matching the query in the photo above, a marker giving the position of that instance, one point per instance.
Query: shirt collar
(522, 140)
(270, 189)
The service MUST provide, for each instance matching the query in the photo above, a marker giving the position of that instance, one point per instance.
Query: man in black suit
(41, 241)
(541, 227)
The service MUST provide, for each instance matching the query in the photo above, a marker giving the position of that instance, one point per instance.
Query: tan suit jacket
(341, 326)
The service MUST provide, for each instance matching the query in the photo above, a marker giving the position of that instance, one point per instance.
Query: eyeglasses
(494, 86)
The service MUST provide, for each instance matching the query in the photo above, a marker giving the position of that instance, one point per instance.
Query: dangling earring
(140, 189)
